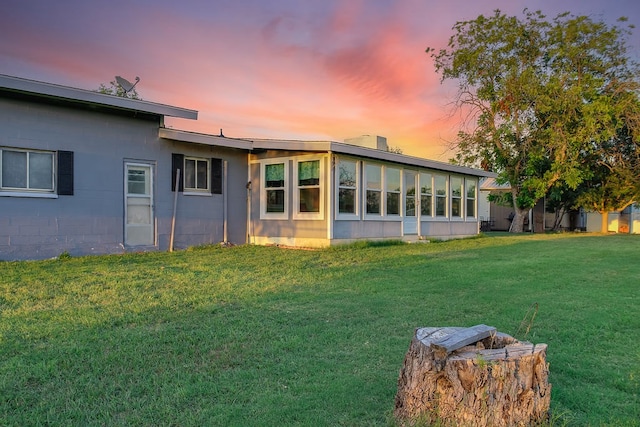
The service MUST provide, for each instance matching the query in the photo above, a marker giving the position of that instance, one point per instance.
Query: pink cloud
(322, 70)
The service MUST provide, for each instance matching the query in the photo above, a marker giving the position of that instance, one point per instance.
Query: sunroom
(315, 194)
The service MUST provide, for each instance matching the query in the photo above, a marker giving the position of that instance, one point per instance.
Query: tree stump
(495, 381)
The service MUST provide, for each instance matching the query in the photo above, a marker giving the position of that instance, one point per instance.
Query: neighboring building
(625, 221)
(494, 217)
(89, 173)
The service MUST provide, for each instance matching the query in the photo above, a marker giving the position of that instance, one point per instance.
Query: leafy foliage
(614, 182)
(539, 94)
(115, 89)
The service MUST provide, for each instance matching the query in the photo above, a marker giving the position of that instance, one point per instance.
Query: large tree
(614, 165)
(537, 92)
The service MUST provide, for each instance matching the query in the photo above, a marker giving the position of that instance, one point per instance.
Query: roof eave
(204, 139)
(49, 90)
(371, 153)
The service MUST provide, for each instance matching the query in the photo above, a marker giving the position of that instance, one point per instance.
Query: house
(88, 173)
(496, 217)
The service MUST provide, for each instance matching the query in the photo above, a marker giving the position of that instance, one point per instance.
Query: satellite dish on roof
(126, 84)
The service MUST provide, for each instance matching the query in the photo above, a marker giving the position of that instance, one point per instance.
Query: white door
(410, 225)
(138, 205)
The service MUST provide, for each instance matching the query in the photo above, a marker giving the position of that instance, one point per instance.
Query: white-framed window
(440, 186)
(426, 194)
(348, 181)
(471, 186)
(456, 196)
(27, 171)
(373, 189)
(274, 195)
(196, 175)
(383, 191)
(308, 197)
(393, 189)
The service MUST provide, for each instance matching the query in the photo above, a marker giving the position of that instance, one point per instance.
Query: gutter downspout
(331, 196)
(225, 225)
(173, 217)
(248, 225)
(418, 203)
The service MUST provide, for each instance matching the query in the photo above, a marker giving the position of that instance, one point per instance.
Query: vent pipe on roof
(369, 141)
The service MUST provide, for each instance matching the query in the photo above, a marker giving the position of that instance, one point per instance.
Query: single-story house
(89, 173)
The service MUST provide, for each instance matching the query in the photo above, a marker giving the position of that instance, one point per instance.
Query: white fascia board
(204, 139)
(371, 153)
(86, 96)
(290, 145)
(406, 160)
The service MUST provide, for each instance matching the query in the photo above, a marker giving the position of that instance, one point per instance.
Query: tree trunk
(604, 222)
(517, 224)
(497, 382)
(557, 220)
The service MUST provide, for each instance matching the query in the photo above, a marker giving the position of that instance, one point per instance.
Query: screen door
(139, 217)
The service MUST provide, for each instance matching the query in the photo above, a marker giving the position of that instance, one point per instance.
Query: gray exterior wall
(367, 229)
(318, 232)
(448, 229)
(91, 221)
(289, 228)
(200, 219)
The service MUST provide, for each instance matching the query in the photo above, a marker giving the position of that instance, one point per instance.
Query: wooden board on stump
(451, 377)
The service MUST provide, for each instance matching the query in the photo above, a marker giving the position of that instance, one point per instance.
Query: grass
(269, 336)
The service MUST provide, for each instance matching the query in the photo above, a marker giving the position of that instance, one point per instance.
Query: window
(308, 197)
(441, 195)
(471, 198)
(392, 180)
(197, 175)
(426, 194)
(383, 190)
(410, 193)
(373, 178)
(137, 181)
(35, 173)
(27, 170)
(274, 190)
(456, 197)
(347, 187)
(274, 184)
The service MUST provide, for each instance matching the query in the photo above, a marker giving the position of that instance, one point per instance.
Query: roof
(491, 184)
(317, 146)
(371, 153)
(64, 94)
(204, 139)
(42, 90)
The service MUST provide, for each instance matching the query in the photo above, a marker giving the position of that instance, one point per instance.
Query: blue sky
(330, 69)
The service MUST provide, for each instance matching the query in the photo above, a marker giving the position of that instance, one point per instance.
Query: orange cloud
(281, 69)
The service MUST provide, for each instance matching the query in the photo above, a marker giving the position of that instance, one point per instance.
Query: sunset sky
(293, 69)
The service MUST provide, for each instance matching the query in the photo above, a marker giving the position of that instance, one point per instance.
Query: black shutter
(65, 173)
(216, 176)
(177, 162)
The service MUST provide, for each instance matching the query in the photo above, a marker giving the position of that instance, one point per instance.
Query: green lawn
(269, 336)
